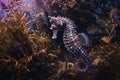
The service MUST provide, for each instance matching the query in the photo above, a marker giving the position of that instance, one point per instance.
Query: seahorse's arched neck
(70, 34)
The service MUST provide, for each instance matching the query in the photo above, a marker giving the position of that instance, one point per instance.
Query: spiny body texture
(73, 41)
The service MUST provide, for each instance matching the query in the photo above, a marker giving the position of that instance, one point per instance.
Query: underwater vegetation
(30, 53)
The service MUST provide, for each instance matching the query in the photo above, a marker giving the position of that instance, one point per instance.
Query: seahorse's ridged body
(73, 41)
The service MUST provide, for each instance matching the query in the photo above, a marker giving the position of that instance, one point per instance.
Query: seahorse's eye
(52, 27)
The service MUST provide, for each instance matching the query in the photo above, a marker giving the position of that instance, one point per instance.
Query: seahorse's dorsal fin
(83, 38)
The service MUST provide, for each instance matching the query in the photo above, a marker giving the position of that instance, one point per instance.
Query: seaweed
(32, 55)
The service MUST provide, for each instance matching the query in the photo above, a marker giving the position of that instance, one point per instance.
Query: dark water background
(22, 58)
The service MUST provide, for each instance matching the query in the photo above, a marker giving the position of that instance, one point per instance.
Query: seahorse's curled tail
(86, 60)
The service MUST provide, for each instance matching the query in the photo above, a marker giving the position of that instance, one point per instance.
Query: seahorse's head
(56, 24)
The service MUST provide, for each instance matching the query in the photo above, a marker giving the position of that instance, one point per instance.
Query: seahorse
(73, 41)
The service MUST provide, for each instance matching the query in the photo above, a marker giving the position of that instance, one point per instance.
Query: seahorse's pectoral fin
(83, 38)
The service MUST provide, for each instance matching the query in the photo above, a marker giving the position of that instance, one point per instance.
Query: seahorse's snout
(54, 31)
(54, 34)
